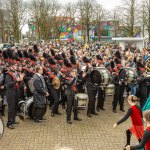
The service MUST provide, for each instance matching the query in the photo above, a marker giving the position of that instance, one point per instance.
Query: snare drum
(82, 100)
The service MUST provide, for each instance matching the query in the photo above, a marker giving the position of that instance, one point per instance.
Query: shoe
(43, 119)
(21, 118)
(52, 114)
(89, 115)
(98, 110)
(77, 119)
(122, 109)
(58, 113)
(16, 122)
(102, 108)
(95, 113)
(63, 107)
(10, 126)
(114, 110)
(37, 121)
(69, 122)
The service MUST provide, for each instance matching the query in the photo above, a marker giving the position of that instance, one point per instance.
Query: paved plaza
(94, 133)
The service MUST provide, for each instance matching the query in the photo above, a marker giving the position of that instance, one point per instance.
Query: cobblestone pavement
(94, 133)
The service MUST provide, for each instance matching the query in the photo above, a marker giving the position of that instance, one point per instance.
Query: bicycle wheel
(1, 128)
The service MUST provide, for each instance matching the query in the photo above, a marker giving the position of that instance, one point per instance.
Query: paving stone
(95, 133)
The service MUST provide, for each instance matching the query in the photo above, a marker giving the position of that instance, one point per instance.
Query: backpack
(31, 85)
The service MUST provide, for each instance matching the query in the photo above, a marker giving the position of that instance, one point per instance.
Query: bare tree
(86, 11)
(115, 17)
(17, 11)
(2, 24)
(40, 12)
(143, 17)
(70, 10)
(130, 16)
(99, 16)
(146, 16)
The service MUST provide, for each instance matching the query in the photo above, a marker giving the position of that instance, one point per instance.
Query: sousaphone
(56, 83)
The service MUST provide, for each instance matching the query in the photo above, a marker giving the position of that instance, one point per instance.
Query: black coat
(12, 97)
(39, 95)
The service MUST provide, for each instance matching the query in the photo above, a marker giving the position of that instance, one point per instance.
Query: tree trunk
(88, 36)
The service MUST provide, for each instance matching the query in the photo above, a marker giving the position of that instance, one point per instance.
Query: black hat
(51, 61)
(112, 64)
(5, 56)
(16, 58)
(19, 54)
(86, 60)
(58, 57)
(46, 55)
(117, 61)
(35, 48)
(30, 50)
(72, 60)
(26, 55)
(52, 52)
(71, 52)
(10, 53)
(63, 55)
(33, 58)
(118, 54)
(98, 57)
(66, 63)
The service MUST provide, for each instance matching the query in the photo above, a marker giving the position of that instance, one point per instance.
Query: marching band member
(101, 92)
(115, 80)
(56, 92)
(70, 81)
(122, 84)
(12, 89)
(2, 90)
(28, 73)
(91, 89)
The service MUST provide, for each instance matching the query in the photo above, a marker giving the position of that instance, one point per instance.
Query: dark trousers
(12, 108)
(2, 107)
(71, 103)
(129, 134)
(121, 98)
(116, 97)
(28, 92)
(91, 104)
(39, 113)
(63, 98)
(148, 90)
(143, 96)
(101, 98)
(56, 96)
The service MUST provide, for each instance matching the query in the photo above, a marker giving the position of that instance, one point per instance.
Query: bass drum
(100, 76)
(128, 73)
(30, 109)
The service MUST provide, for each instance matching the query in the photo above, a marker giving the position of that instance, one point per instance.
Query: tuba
(56, 83)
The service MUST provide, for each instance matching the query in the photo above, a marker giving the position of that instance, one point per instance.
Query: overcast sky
(107, 4)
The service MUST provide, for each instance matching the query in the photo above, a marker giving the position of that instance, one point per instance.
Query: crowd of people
(47, 65)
